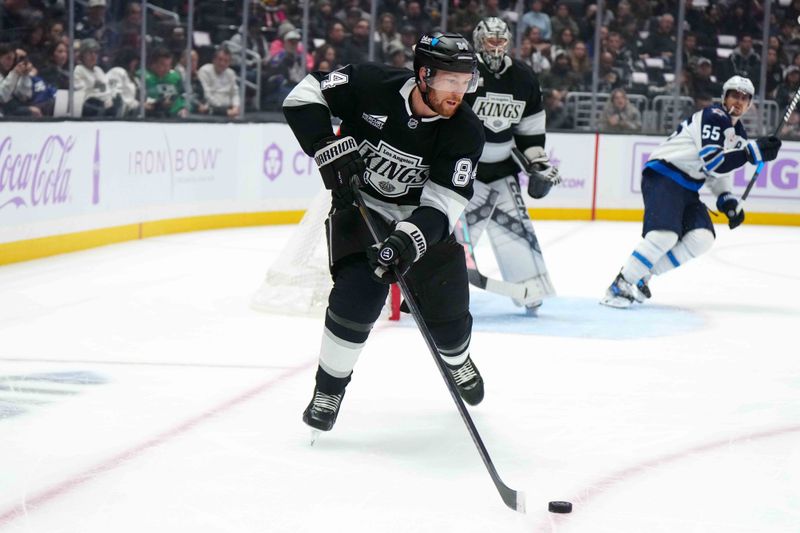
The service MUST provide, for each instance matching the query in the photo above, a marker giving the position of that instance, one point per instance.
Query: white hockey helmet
(492, 40)
(740, 84)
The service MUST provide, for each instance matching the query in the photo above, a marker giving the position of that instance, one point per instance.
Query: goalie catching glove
(541, 174)
(338, 160)
(402, 248)
(731, 208)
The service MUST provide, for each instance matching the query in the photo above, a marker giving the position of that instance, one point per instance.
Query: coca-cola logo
(36, 178)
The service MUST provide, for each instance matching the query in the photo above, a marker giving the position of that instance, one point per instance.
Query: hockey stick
(789, 111)
(512, 498)
(517, 291)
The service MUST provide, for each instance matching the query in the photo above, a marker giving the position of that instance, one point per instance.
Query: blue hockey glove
(338, 160)
(732, 208)
(404, 246)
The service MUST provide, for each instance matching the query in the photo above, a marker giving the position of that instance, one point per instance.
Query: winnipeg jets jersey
(510, 105)
(707, 146)
(411, 160)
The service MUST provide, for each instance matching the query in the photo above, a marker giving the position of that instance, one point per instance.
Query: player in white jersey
(704, 149)
(509, 102)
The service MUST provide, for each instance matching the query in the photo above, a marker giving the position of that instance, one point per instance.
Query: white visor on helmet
(452, 82)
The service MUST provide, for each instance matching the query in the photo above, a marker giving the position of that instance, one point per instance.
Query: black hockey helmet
(449, 52)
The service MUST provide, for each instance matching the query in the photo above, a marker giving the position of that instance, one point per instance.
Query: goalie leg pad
(691, 245)
(513, 238)
(478, 212)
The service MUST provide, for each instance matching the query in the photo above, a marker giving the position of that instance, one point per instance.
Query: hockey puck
(559, 507)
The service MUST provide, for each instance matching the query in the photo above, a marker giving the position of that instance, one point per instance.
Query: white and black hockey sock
(691, 245)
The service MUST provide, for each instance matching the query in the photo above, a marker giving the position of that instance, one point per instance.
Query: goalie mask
(448, 52)
(492, 40)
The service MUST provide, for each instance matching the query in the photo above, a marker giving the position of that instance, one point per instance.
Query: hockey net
(298, 281)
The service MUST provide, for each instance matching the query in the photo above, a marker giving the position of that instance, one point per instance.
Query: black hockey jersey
(510, 105)
(411, 161)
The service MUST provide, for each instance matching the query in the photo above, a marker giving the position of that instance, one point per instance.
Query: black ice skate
(323, 409)
(644, 290)
(469, 382)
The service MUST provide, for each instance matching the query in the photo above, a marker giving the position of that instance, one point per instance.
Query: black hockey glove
(338, 160)
(765, 149)
(732, 208)
(405, 245)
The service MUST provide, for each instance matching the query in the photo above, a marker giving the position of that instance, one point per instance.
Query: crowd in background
(556, 38)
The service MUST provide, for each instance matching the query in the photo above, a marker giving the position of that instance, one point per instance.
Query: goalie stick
(760, 166)
(512, 498)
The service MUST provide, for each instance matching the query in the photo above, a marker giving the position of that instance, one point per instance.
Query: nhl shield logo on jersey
(391, 171)
(498, 111)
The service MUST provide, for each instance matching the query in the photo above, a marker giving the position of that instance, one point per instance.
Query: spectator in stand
(491, 8)
(336, 38)
(563, 41)
(620, 115)
(539, 44)
(702, 101)
(588, 21)
(408, 36)
(703, 81)
(129, 28)
(563, 20)
(255, 42)
(196, 100)
(579, 60)
(396, 56)
(285, 70)
(624, 22)
(786, 91)
(164, 87)
(623, 56)
(417, 17)
(321, 19)
(556, 111)
(276, 46)
(386, 36)
(347, 7)
(176, 43)
(395, 7)
(780, 54)
(708, 29)
(691, 55)
(465, 19)
(273, 13)
(15, 17)
(537, 18)
(609, 78)
(790, 43)
(219, 85)
(94, 26)
(100, 100)
(327, 54)
(123, 80)
(356, 46)
(532, 57)
(743, 61)
(55, 32)
(560, 77)
(774, 73)
(740, 21)
(34, 42)
(16, 85)
(353, 16)
(661, 43)
(55, 71)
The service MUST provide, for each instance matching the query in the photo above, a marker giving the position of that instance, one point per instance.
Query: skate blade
(315, 433)
(616, 302)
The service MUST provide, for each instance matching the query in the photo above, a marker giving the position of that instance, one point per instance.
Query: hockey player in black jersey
(415, 147)
(509, 102)
(704, 149)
